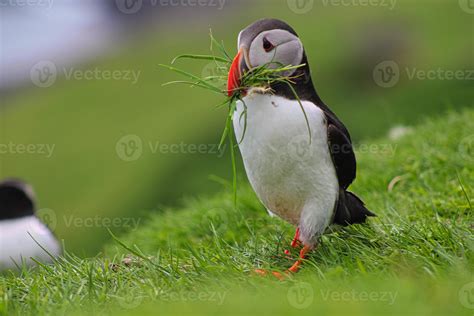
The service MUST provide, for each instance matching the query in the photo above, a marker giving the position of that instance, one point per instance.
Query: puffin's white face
(275, 48)
(272, 48)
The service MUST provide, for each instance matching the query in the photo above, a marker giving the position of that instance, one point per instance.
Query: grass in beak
(264, 76)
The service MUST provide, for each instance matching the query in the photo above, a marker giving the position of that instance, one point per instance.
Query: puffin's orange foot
(277, 274)
(293, 269)
(295, 242)
(296, 266)
(296, 239)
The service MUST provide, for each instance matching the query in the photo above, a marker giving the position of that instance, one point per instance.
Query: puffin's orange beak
(235, 74)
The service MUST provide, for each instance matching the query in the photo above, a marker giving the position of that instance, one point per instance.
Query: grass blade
(198, 79)
(200, 57)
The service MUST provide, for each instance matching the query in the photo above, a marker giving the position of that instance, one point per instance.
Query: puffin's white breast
(17, 245)
(292, 174)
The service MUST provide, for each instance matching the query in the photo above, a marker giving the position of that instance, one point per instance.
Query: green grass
(413, 259)
(86, 119)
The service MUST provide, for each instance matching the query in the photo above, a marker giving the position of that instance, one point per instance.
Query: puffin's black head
(16, 199)
(266, 42)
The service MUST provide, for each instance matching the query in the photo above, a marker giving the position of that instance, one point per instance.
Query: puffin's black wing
(350, 209)
(342, 152)
(340, 144)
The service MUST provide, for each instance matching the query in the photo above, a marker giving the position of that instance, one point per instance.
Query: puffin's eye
(267, 45)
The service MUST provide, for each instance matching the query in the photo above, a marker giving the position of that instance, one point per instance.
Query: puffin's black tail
(350, 209)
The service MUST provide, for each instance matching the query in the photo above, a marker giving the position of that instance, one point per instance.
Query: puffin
(22, 235)
(299, 163)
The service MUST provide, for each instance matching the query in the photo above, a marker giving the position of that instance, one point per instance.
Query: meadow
(158, 230)
(415, 258)
(86, 121)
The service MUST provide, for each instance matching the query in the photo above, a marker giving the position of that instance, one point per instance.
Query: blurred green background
(87, 180)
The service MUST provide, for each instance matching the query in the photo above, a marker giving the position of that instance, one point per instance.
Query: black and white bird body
(21, 230)
(300, 174)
